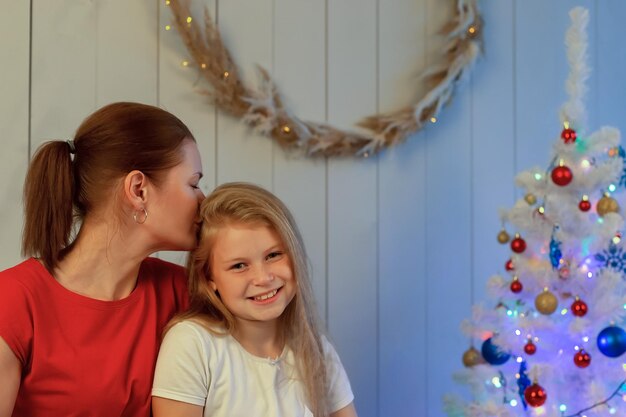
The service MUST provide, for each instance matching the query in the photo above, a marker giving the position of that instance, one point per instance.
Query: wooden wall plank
(447, 199)
(63, 86)
(246, 27)
(493, 145)
(402, 217)
(610, 85)
(14, 119)
(352, 194)
(127, 47)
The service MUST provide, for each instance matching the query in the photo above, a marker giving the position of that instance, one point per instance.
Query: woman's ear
(135, 189)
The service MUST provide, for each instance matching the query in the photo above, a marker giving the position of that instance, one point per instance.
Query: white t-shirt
(217, 373)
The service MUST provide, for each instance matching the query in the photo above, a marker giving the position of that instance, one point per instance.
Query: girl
(250, 343)
(81, 321)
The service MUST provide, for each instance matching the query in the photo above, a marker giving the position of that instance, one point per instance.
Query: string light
(471, 30)
(433, 119)
(616, 239)
(286, 129)
(189, 19)
(612, 188)
(167, 27)
(203, 66)
(185, 63)
(615, 393)
(167, 2)
(226, 74)
(585, 163)
(538, 176)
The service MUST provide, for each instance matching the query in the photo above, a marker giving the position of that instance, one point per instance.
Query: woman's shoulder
(28, 273)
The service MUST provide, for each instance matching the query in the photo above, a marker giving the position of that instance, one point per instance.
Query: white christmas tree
(551, 344)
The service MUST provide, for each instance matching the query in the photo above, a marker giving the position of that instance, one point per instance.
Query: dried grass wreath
(263, 109)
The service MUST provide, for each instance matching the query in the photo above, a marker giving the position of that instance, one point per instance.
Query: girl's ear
(212, 285)
(135, 189)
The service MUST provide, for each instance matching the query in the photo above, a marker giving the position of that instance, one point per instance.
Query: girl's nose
(263, 277)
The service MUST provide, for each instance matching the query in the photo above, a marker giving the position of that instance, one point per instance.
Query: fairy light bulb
(433, 119)
(167, 27)
(562, 408)
(203, 66)
(538, 176)
(189, 19)
(585, 163)
(612, 188)
(616, 239)
(185, 63)
(513, 403)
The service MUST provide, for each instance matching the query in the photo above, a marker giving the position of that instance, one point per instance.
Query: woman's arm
(347, 411)
(162, 407)
(10, 378)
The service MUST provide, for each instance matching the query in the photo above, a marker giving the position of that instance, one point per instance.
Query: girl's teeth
(266, 296)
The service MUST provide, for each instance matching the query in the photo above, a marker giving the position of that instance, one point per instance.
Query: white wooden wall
(401, 244)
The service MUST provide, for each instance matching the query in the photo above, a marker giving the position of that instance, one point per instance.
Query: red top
(86, 357)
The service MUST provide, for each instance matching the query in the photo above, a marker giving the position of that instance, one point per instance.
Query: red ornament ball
(535, 395)
(530, 348)
(582, 359)
(518, 245)
(509, 265)
(568, 135)
(579, 308)
(562, 176)
(584, 205)
(516, 286)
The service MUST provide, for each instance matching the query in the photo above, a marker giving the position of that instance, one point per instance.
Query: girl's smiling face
(251, 272)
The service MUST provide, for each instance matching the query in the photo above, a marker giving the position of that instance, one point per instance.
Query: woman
(80, 321)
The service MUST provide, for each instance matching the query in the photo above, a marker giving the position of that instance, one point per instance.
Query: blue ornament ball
(612, 341)
(493, 354)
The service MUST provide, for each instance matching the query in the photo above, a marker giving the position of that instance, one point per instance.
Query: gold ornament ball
(503, 237)
(546, 303)
(472, 357)
(530, 199)
(607, 205)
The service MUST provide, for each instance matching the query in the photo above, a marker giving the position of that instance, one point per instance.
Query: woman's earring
(145, 216)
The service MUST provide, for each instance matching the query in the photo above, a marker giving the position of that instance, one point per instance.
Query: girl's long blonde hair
(239, 202)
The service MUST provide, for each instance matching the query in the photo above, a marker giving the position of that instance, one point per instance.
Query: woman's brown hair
(68, 180)
(243, 203)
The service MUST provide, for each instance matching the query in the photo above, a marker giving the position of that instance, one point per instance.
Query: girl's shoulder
(198, 328)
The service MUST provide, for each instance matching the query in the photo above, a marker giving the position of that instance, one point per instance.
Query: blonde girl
(250, 344)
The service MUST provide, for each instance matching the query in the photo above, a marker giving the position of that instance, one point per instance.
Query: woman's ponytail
(49, 203)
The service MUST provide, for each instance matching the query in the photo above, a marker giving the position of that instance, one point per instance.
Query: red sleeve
(16, 315)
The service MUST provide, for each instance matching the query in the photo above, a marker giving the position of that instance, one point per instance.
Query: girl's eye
(238, 267)
(274, 255)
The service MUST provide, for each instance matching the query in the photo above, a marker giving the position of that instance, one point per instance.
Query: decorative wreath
(263, 109)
